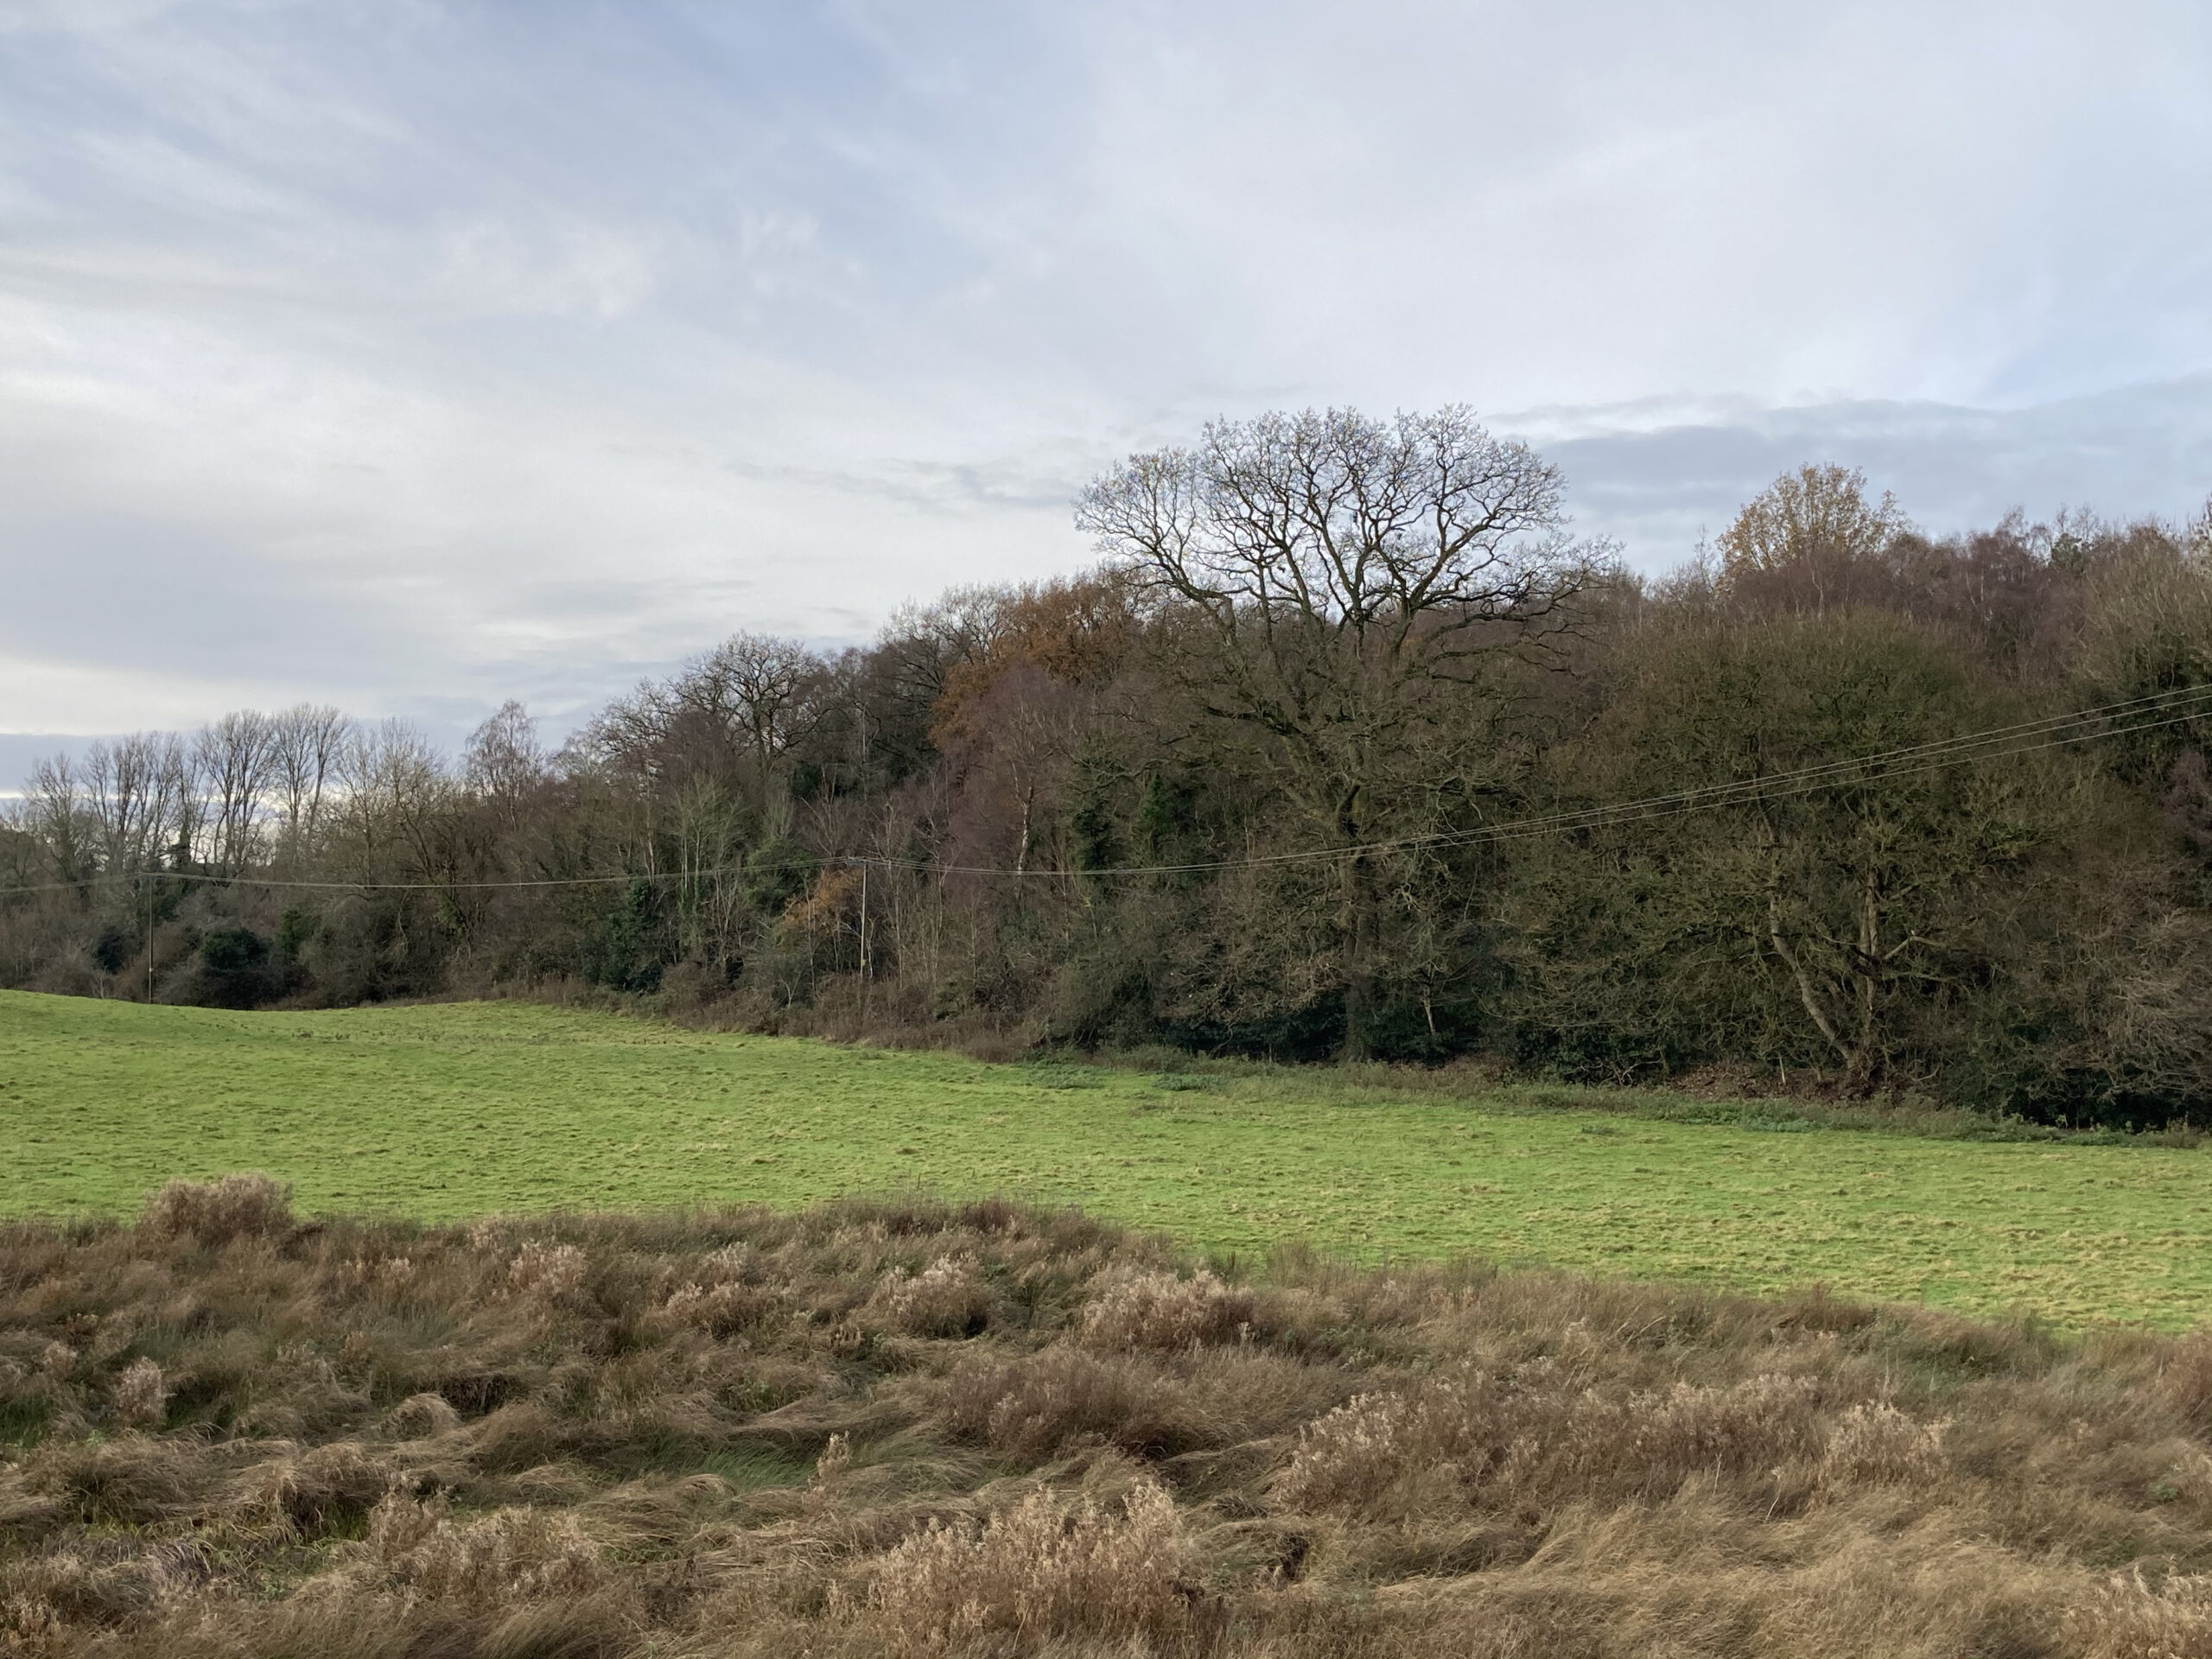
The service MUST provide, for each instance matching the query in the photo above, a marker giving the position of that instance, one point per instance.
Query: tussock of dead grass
(516, 1553)
(421, 1417)
(215, 1212)
(946, 1298)
(545, 1270)
(1038, 1571)
(2130, 1618)
(138, 1396)
(314, 1490)
(1159, 1310)
(875, 1430)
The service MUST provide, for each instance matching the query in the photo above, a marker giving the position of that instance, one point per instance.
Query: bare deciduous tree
(757, 686)
(505, 759)
(235, 758)
(308, 741)
(1351, 577)
(135, 788)
(733, 713)
(925, 643)
(395, 783)
(53, 811)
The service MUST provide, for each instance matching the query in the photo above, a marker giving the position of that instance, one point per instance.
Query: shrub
(234, 970)
(112, 950)
(214, 1213)
(233, 950)
(1037, 1572)
(631, 945)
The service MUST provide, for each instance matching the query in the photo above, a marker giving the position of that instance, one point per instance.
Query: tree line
(1344, 747)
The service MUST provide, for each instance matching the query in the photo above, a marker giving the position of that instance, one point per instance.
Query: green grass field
(447, 1111)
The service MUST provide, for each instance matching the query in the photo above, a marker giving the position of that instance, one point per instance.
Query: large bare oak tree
(1352, 577)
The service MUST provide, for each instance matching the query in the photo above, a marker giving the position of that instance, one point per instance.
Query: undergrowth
(918, 1430)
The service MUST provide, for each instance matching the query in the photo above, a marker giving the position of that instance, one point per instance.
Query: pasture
(437, 1112)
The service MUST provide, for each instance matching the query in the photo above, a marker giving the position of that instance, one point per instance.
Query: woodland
(1344, 748)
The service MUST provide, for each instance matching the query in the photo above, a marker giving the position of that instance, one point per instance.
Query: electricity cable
(2079, 726)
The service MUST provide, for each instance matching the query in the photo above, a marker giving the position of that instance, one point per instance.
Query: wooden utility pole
(866, 977)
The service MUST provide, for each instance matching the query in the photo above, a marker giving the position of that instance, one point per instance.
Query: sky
(411, 356)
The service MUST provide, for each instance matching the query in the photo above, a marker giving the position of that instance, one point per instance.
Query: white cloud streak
(413, 355)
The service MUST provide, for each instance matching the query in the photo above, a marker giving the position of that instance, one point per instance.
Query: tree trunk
(1869, 972)
(1356, 926)
(1808, 993)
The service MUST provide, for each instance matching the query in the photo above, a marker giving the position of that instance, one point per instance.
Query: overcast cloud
(409, 355)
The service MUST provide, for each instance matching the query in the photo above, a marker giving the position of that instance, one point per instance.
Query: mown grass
(440, 1112)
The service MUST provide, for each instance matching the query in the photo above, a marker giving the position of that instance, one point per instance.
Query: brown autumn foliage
(911, 1431)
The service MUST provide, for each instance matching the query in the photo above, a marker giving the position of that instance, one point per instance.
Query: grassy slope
(443, 1112)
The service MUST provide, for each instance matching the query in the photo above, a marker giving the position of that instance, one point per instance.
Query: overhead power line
(2000, 742)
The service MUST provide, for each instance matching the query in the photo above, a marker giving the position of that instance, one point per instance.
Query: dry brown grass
(138, 1398)
(1159, 1310)
(1038, 1571)
(946, 1298)
(906, 1431)
(544, 1271)
(215, 1212)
